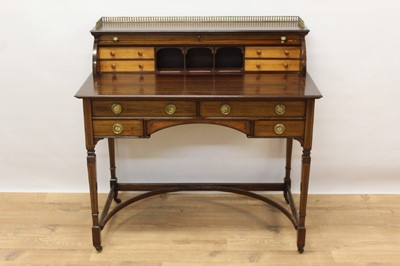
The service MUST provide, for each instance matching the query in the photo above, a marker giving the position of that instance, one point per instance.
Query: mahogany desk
(245, 73)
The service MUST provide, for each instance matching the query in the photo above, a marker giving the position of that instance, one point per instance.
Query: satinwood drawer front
(278, 128)
(126, 52)
(252, 108)
(272, 52)
(118, 128)
(143, 108)
(126, 65)
(271, 65)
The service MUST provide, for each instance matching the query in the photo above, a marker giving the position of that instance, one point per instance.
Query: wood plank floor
(199, 229)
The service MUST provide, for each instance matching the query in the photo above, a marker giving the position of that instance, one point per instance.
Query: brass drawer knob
(283, 39)
(285, 65)
(225, 109)
(280, 109)
(113, 66)
(140, 53)
(141, 66)
(286, 52)
(117, 128)
(115, 39)
(279, 129)
(258, 65)
(170, 109)
(112, 53)
(116, 108)
(259, 52)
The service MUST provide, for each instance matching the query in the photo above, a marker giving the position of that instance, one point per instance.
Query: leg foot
(99, 248)
(117, 200)
(300, 250)
(301, 239)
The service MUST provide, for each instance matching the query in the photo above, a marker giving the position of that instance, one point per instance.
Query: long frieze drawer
(118, 128)
(271, 65)
(126, 65)
(143, 108)
(252, 108)
(278, 128)
(126, 52)
(272, 52)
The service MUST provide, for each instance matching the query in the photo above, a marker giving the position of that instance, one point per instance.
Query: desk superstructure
(245, 73)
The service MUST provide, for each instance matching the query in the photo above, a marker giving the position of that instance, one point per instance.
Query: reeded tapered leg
(113, 180)
(305, 174)
(91, 166)
(287, 180)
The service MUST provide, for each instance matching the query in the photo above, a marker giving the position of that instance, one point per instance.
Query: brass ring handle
(225, 109)
(280, 109)
(115, 39)
(116, 108)
(279, 129)
(170, 109)
(117, 128)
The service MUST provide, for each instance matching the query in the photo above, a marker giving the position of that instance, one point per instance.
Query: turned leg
(113, 180)
(305, 174)
(287, 180)
(91, 166)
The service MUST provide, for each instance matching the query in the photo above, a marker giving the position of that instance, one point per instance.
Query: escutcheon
(117, 128)
(279, 129)
(225, 109)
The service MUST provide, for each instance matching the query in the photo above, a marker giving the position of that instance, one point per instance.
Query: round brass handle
(170, 109)
(286, 52)
(285, 65)
(116, 108)
(141, 66)
(112, 53)
(258, 65)
(115, 39)
(117, 128)
(113, 66)
(280, 109)
(259, 52)
(225, 109)
(140, 53)
(283, 39)
(279, 129)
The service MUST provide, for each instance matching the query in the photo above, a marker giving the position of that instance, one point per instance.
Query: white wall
(45, 55)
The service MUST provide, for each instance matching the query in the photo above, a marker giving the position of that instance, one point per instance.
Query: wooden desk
(246, 73)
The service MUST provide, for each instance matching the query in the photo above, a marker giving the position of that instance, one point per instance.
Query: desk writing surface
(257, 86)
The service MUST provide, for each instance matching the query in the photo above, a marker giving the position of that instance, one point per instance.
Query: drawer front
(143, 108)
(271, 65)
(272, 52)
(126, 52)
(126, 65)
(252, 108)
(278, 128)
(117, 128)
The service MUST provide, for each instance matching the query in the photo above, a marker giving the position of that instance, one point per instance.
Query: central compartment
(199, 59)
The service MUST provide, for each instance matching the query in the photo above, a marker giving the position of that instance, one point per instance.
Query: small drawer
(252, 109)
(271, 65)
(272, 52)
(118, 128)
(126, 65)
(278, 128)
(143, 108)
(126, 52)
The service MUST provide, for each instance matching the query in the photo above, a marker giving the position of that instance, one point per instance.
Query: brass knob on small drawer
(285, 65)
(283, 39)
(170, 109)
(115, 39)
(259, 52)
(279, 129)
(286, 52)
(113, 66)
(225, 109)
(140, 53)
(112, 53)
(258, 65)
(280, 109)
(116, 108)
(117, 128)
(141, 66)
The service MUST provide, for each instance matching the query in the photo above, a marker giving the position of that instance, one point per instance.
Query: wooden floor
(199, 229)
